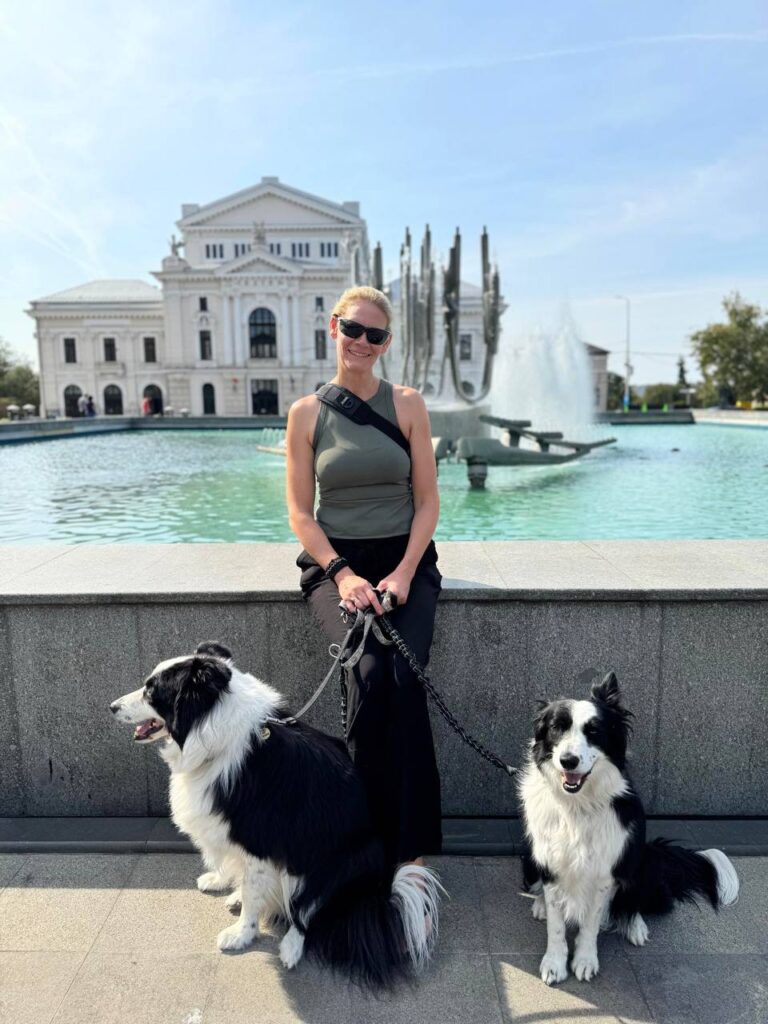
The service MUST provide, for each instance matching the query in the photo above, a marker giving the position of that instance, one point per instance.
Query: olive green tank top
(363, 476)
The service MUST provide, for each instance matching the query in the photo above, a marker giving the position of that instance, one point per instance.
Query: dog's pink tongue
(572, 778)
(145, 728)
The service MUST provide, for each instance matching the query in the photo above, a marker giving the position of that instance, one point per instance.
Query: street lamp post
(627, 365)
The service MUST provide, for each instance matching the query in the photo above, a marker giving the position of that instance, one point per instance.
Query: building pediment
(258, 263)
(269, 203)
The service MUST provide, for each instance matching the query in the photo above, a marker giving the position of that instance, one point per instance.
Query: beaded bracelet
(334, 567)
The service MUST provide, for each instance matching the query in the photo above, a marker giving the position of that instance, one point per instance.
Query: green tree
(733, 356)
(19, 384)
(660, 394)
(6, 357)
(616, 392)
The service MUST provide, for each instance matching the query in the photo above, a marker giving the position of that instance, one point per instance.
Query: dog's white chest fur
(191, 798)
(578, 839)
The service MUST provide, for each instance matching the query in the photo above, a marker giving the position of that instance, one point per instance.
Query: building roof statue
(259, 237)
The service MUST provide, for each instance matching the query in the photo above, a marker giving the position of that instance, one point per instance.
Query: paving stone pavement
(127, 939)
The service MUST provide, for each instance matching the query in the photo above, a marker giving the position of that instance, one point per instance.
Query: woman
(376, 516)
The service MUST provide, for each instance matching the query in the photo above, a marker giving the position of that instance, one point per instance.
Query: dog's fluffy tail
(670, 874)
(379, 936)
(416, 895)
(727, 879)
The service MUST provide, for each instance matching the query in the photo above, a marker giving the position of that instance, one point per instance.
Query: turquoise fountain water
(185, 486)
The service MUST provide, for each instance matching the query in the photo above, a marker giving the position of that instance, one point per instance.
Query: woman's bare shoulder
(303, 413)
(408, 394)
(409, 399)
(303, 409)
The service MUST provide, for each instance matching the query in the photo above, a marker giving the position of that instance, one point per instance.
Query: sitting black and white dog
(587, 862)
(277, 809)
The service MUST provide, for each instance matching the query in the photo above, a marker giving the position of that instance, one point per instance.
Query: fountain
(544, 375)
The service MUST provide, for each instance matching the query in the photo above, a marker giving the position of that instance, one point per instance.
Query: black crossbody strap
(358, 411)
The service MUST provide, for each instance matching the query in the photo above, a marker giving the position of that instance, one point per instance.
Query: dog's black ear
(206, 673)
(541, 721)
(214, 648)
(200, 683)
(541, 748)
(607, 691)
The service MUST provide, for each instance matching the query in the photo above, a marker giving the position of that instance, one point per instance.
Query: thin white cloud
(377, 70)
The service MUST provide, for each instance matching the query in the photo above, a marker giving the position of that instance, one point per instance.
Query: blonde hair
(363, 293)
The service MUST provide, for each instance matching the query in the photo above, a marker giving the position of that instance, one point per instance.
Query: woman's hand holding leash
(357, 593)
(397, 583)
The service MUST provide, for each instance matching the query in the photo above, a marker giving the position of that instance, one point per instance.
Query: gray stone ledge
(682, 623)
(25, 431)
(488, 837)
(669, 570)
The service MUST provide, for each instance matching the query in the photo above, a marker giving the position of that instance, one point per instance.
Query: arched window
(262, 328)
(113, 400)
(155, 396)
(209, 400)
(71, 394)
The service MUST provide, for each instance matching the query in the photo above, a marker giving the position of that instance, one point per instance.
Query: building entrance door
(155, 396)
(71, 394)
(264, 397)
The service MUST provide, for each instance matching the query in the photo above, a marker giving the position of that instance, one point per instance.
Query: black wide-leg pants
(389, 734)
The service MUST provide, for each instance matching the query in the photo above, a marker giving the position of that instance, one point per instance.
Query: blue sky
(611, 148)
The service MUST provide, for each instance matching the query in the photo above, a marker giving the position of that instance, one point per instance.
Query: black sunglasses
(352, 329)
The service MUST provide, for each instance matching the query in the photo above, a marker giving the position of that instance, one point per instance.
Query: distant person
(146, 406)
(90, 406)
(82, 405)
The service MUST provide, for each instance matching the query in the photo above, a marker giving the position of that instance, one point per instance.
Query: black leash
(437, 699)
(349, 651)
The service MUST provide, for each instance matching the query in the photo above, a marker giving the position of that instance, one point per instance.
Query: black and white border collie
(587, 861)
(278, 811)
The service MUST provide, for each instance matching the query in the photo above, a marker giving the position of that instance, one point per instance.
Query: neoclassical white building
(237, 325)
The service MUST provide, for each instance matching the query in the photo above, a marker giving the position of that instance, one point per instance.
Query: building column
(295, 348)
(239, 348)
(227, 346)
(174, 330)
(282, 332)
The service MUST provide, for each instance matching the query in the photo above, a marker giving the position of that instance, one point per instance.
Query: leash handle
(386, 599)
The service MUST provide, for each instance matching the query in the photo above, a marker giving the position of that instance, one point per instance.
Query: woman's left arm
(426, 500)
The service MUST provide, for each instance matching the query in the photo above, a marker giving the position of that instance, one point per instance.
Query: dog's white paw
(585, 965)
(553, 968)
(212, 881)
(636, 931)
(291, 948)
(237, 936)
(539, 909)
(234, 901)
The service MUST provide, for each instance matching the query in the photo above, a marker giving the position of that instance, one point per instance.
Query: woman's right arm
(300, 496)
(300, 482)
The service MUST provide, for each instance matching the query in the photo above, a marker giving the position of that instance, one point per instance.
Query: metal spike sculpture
(491, 316)
(417, 315)
(417, 312)
(378, 282)
(378, 268)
